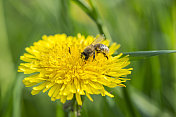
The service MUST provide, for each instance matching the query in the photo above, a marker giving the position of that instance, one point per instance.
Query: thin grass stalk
(92, 12)
(17, 92)
(129, 102)
(7, 73)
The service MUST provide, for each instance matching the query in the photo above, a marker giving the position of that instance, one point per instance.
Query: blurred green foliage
(138, 25)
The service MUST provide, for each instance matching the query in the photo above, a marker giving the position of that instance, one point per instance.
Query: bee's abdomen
(101, 48)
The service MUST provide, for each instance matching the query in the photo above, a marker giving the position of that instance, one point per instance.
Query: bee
(95, 46)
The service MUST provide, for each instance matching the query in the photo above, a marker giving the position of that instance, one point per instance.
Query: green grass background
(138, 25)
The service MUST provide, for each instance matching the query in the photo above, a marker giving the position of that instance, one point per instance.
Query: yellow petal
(40, 87)
(95, 85)
(50, 93)
(57, 90)
(34, 92)
(108, 94)
(70, 96)
(49, 85)
(78, 99)
(63, 99)
(90, 98)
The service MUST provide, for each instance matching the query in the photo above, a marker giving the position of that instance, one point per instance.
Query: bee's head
(84, 55)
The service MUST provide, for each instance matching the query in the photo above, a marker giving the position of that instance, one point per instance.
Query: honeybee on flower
(95, 46)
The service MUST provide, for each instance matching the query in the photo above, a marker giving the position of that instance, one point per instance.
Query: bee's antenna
(69, 50)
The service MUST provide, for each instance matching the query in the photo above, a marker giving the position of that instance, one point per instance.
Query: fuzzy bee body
(88, 51)
(101, 48)
(95, 46)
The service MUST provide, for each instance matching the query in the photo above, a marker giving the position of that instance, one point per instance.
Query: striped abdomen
(101, 48)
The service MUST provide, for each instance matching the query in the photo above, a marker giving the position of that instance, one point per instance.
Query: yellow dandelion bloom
(55, 64)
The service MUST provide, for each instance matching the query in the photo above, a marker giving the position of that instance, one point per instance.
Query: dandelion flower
(56, 66)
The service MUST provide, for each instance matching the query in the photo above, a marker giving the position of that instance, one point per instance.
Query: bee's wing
(98, 39)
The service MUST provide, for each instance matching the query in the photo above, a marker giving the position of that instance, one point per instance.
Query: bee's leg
(105, 55)
(94, 55)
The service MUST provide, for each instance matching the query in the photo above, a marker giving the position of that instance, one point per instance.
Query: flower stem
(75, 109)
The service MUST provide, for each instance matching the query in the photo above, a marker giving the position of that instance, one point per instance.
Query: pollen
(56, 67)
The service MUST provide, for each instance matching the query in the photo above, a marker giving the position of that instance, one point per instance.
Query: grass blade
(149, 53)
(17, 91)
(147, 106)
